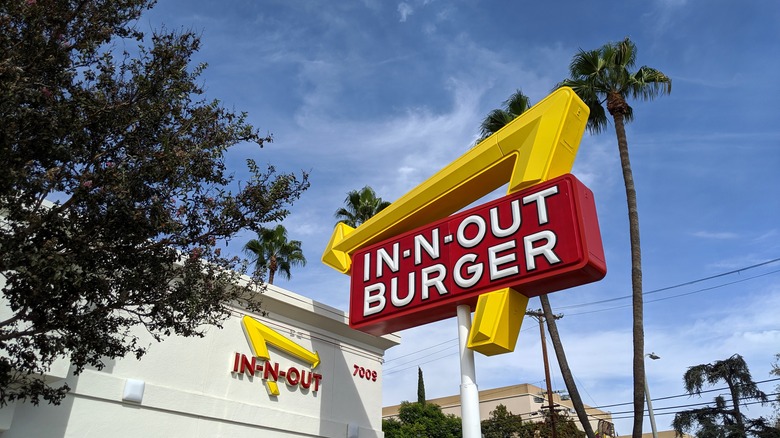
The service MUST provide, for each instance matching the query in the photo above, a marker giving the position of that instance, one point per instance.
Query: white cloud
(716, 235)
(598, 164)
(405, 10)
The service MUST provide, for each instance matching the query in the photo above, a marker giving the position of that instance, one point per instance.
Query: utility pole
(539, 316)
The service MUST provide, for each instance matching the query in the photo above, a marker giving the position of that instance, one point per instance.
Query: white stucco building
(206, 387)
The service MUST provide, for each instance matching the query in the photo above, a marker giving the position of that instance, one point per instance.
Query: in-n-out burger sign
(536, 241)
(410, 264)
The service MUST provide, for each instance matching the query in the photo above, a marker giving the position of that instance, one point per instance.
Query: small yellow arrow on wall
(260, 335)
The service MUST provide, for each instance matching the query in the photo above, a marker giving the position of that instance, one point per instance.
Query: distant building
(661, 434)
(525, 400)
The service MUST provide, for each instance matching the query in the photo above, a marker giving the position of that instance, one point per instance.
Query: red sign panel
(539, 240)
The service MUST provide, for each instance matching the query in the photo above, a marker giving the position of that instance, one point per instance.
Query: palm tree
(604, 76)
(360, 206)
(563, 363)
(273, 252)
(514, 106)
(734, 371)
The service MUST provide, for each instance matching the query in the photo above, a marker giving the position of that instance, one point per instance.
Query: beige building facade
(525, 400)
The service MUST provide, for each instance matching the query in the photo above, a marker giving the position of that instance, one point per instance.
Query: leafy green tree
(272, 252)
(605, 76)
(725, 419)
(420, 387)
(515, 106)
(504, 424)
(564, 427)
(132, 158)
(360, 206)
(392, 427)
(422, 420)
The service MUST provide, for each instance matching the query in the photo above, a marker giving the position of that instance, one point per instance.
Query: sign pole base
(469, 393)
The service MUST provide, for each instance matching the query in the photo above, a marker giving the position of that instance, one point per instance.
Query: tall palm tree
(734, 371)
(604, 76)
(273, 252)
(360, 206)
(514, 106)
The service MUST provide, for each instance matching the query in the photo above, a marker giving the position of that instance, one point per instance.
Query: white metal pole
(469, 393)
(649, 400)
(650, 409)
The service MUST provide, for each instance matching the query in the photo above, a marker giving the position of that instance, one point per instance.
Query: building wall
(661, 434)
(190, 388)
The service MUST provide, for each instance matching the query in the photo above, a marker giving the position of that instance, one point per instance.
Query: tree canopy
(360, 206)
(504, 424)
(422, 420)
(725, 419)
(115, 199)
(420, 386)
(604, 77)
(272, 252)
(514, 106)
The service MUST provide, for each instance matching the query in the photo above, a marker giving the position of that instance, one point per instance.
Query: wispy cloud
(716, 235)
(405, 10)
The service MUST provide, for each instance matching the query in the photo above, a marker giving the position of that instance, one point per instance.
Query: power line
(677, 412)
(676, 296)
(682, 395)
(427, 348)
(693, 404)
(679, 285)
(397, 368)
(418, 364)
(403, 367)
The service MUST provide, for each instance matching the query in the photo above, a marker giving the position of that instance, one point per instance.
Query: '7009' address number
(364, 373)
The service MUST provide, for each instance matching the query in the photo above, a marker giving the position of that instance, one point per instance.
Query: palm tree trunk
(272, 267)
(568, 378)
(636, 277)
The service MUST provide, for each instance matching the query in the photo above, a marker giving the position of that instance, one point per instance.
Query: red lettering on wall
(293, 376)
(317, 378)
(248, 366)
(273, 371)
(305, 383)
(292, 381)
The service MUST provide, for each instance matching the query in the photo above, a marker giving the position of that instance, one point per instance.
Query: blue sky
(385, 93)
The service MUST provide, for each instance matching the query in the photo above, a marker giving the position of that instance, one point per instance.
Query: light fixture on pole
(652, 356)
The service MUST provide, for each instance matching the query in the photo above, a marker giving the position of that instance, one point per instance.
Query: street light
(652, 356)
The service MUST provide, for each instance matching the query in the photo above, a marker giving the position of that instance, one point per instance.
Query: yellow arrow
(539, 145)
(260, 335)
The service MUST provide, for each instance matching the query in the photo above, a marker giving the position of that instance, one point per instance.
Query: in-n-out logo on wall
(259, 336)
